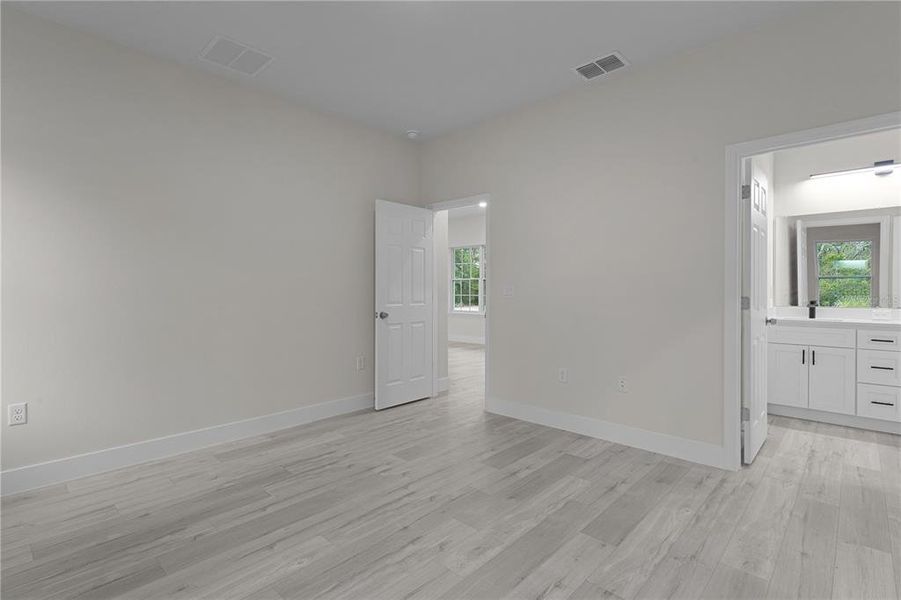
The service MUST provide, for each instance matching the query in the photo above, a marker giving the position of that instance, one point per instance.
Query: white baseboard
(834, 418)
(466, 339)
(29, 477)
(442, 384)
(661, 443)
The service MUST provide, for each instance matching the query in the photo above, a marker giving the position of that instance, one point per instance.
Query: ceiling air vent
(235, 56)
(602, 66)
(590, 71)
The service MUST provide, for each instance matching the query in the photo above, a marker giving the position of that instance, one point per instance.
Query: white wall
(797, 194)
(607, 214)
(468, 230)
(179, 250)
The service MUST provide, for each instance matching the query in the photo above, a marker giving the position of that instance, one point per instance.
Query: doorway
(462, 299)
(769, 271)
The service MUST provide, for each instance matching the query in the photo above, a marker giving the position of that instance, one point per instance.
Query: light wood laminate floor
(439, 500)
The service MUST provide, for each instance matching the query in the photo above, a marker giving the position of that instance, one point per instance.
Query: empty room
(450, 300)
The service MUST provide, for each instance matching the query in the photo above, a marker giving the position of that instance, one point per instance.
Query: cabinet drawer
(879, 402)
(879, 366)
(879, 340)
(812, 336)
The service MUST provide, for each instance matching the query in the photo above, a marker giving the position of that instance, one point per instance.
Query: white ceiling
(430, 66)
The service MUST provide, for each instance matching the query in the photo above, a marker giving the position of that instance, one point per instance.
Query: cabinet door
(832, 380)
(787, 374)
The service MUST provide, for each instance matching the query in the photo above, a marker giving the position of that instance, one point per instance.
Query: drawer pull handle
(881, 403)
(803, 355)
(882, 341)
(882, 368)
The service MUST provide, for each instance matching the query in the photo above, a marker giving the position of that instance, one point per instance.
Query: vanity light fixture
(880, 167)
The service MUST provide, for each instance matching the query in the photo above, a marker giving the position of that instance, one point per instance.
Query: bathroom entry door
(403, 303)
(755, 204)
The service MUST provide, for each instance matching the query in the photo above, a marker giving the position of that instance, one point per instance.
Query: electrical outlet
(18, 413)
(508, 291)
(361, 363)
(622, 386)
(563, 375)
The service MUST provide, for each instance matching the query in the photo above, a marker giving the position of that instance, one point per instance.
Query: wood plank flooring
(437, 499)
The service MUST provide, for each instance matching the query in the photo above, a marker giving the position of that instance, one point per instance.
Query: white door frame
(735, 153)
(463, 203)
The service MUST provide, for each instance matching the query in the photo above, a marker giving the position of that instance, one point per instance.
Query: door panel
(754, 325)
(403, 295)
(787, 375)
(832, 380)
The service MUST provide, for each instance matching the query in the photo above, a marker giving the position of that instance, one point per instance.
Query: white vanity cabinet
(815, 369)
(805, 376)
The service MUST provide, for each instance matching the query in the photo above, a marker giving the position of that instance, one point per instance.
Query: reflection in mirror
(840, 260)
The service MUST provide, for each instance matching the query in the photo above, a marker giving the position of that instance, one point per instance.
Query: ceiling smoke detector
(412, 134)
(602, 66)
(235, 56)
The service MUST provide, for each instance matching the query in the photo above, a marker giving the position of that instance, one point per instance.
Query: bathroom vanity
(841, 371)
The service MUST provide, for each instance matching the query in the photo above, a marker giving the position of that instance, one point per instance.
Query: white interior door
(754, 322)
(403, 303)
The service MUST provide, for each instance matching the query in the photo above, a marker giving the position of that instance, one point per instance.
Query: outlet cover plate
(17, 414)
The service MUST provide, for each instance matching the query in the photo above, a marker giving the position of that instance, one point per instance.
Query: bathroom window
(468, 279)
(845, 269)
(845, 273)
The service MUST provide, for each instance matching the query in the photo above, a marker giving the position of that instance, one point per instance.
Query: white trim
(732, 235)
(73, 467)
(466, 339)
(834, 418)
(896, 266)
(699, 452)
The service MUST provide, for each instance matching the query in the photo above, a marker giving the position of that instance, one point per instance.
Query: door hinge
(745, 192)
(745, 303)
(745, 414)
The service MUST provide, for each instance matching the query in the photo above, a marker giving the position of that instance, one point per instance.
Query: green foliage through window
(844, 273)
(467, 279)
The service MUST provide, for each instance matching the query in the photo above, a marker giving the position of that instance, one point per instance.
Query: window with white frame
(468, 279)
(843, 265)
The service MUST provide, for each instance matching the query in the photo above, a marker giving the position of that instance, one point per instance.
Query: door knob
(771, 321)
(383, 315)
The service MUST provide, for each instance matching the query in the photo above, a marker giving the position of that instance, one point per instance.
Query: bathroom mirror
(840, 260)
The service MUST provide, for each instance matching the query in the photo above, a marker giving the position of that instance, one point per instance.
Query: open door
(403, 303)
(754, 313)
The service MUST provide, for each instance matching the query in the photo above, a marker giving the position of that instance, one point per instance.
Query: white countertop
(831, 321)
